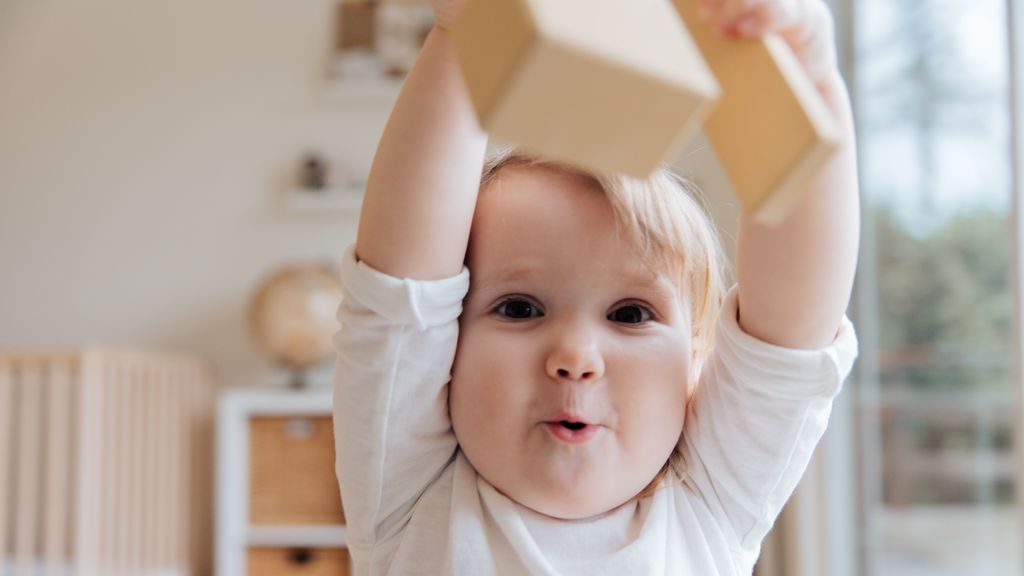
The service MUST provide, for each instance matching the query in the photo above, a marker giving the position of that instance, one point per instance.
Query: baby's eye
(518, 309)
(630, 314)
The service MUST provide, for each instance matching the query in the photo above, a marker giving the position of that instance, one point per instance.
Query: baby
(594, 401)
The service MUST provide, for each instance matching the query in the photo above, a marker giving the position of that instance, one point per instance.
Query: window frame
(824, 528)
(1015, 38)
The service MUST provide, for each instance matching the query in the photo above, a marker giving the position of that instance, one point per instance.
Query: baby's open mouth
(572, 431)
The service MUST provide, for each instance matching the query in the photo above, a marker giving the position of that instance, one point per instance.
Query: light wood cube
(607, 85)
(771, 129)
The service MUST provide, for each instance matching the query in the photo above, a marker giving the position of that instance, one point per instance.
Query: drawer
(291, 475)
(298, 561)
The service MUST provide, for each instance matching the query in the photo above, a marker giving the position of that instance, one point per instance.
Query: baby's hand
(445, 11)
(806, 25)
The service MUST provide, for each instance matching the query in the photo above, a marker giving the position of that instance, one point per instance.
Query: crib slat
(122, 473)
(180, 470)
(26, 486)
(192, 454)
(129, 467)
(75, 400)
(85, 495)
(148, 461)
(112, 447)
(58, 457)
(89, 458)
(135, 465)
(201, 454)
(163, 474)
(108, 473)
(174, 431)
(6, 452)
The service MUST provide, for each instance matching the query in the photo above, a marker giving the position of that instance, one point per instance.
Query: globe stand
(298, 380)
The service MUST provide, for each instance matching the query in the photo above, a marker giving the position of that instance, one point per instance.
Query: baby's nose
(576, 359)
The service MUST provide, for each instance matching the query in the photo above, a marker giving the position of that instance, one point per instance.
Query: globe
(293, 316)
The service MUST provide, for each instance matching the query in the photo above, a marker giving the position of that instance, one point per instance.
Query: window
(935, 397)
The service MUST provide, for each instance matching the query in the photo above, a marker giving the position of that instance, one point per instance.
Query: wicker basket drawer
(292, 478)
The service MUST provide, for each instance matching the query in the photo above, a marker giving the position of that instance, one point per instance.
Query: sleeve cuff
(420, 303)
(798, 372)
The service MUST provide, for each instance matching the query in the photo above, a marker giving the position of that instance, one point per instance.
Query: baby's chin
(559, 511)
(563, 503)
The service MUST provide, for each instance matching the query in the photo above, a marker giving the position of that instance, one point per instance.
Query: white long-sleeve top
(415, 505)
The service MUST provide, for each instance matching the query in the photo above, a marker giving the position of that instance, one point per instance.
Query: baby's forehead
(629, 219)
(607, 281)
(545, 175)
(489, 271)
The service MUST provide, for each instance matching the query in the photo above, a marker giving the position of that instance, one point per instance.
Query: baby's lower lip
(569, 436)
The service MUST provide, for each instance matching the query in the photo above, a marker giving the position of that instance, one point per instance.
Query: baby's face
(569, 385)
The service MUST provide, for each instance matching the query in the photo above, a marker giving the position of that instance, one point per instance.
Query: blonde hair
(665, 218)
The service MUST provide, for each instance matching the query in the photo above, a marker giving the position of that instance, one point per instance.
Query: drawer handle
(301, 556)
(300, 428)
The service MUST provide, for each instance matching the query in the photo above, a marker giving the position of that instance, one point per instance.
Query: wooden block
(292, 479)
(771, 128)
(295, 561)
(610, 86)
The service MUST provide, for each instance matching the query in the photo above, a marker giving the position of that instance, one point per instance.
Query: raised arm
(795, 279)
(392, 431)
(422, 187)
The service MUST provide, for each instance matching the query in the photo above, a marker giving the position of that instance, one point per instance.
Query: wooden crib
(105, 463)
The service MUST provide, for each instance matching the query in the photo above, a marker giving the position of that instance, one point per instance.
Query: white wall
(144, 149)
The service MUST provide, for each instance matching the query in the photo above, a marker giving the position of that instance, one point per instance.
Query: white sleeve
(754, 421)
(393, 436)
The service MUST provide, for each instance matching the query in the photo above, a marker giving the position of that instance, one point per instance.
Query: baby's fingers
(726, 15)
(806, 25)
(753, 17)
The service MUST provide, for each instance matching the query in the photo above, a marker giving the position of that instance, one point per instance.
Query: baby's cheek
(669, 411)
(476, 395)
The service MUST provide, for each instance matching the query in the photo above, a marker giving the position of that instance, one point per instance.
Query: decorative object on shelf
(322, 187)
(376, 43)
(313, 176)
(293, 316)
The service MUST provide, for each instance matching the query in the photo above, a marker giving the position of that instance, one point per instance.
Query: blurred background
(921, 475)
(161, 161)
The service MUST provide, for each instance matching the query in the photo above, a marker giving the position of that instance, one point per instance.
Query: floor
(948, 541)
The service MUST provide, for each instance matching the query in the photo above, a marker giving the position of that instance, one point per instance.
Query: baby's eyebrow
(506, 275)
(651, 283)
(643, 277)
(660, 286)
